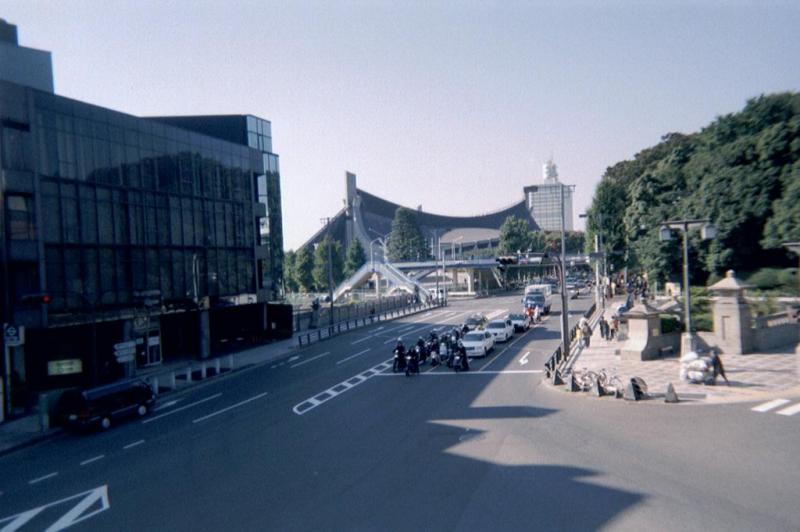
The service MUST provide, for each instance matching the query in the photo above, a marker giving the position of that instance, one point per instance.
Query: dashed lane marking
(40, 479)
(237, 405)
(790, 411)
(323, 397)
(132, 445)
(93, 459)
(182, 408)
(766, 407)
(296, 357)
(445, 373)
(352, 356)
(312, 359)
(362, 340)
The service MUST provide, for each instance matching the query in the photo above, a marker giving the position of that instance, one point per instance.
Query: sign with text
(67, 366)
(14, 335)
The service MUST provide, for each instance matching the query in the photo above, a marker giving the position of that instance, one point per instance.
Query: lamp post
(327, 222)
(599, 292)
(562, 261)
(707, 231)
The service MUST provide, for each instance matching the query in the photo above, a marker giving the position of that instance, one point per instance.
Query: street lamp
(599, 293)
(327, 222)
(707, 232)
(563, 277)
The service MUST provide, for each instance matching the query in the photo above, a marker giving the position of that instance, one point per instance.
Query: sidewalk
(752, 377)
(26, 430)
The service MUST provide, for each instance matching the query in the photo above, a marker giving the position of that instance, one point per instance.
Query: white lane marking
(496, 313)
(362, 340)
(237, 405)
(166, 405)
(77, 514)
(37, 480)
(312, 402)
(296, 357)
(93, 459)
(425, 326)
(524, 359)
(352, 356)
(440, 373)
(766, 407)
(790, 411)
(506, 348)
(312, 359)
(378, 329)
(132, 445)
(181, 409)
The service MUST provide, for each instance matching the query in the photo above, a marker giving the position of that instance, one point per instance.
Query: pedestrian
(603, 327)
(614, 327)
(579, 337)
(587, 334)
(716, 362)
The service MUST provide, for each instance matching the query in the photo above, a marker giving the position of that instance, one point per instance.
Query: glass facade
(130, 205)
(545, 206)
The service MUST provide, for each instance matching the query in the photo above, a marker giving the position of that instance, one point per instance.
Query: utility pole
(564, 299)
(327, 222)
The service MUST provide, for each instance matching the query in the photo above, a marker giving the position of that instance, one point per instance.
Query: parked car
(105, 404)
(476, 321)
(478, 343)
(502, 330)
(521, 322)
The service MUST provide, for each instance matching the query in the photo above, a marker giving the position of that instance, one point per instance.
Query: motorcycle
(399, 361)
(432, 347)
(412, 362)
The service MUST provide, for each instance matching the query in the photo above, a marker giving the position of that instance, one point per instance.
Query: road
(327, 439)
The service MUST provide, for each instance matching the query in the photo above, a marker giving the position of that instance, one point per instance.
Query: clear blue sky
(454, 105)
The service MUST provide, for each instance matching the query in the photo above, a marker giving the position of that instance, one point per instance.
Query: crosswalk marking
(790, 411)
(766, 407)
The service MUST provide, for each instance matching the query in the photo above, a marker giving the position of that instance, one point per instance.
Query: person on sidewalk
(716, 362)
(587, 333)
(603, 327)
(614, 327)
(579, 337)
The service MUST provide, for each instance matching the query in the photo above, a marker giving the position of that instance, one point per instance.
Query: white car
(502, 330)
(521, 322)
(478, 343)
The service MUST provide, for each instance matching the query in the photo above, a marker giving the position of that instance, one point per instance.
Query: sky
(452, 105)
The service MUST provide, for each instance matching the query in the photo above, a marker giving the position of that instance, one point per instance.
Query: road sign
(125, 351)
(14, 334)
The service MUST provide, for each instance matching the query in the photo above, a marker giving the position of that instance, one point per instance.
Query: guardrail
(329, 331)
(558, 360)
(179, 377)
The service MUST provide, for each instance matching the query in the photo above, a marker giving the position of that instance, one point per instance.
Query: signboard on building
(125, 351)
(14, 334)
(68, 366)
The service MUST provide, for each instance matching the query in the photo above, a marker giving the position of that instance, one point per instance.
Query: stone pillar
(644, 327)
(470, 274)
(205, 334)
(733, 329)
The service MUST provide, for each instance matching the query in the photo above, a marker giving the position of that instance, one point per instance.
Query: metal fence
(558, 359)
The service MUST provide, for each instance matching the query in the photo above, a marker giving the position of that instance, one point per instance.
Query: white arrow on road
(524, 359)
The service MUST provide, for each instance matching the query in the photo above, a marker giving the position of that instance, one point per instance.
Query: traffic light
(41, 298)
(504, 261)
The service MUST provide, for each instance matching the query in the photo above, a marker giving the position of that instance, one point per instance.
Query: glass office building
(126, 240)
(545, 201)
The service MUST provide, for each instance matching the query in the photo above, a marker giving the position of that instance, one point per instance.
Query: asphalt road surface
(328, 439)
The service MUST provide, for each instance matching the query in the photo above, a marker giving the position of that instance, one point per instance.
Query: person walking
(614, 327)
(603, 327)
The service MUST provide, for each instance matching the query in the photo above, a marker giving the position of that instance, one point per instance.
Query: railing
(558, 360)
(773, 320)
(329, 331)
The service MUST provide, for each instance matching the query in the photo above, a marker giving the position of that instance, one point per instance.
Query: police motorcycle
(400, 352)
(422, 350)
(452, 346)
(460, 360)
(412, 361)
(433, 348)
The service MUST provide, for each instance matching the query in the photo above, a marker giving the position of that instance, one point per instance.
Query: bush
(767, 278)
(670, 323)
(702, 322)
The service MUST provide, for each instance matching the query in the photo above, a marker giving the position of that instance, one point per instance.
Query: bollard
(171, 381)
(44, 414)
(216, 366)
(671, 396)
(202, 370)
(154, 384)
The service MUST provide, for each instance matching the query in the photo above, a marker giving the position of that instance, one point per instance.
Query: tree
(320, 272)
(356, 257)
(514, 235)
(406, 242)
(289, 276)
(303, 270)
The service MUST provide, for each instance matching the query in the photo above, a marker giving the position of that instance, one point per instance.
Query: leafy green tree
(303, 270)
(406, 242)
(514, 235)
(289, 278)
(320, 271)
(356, 257)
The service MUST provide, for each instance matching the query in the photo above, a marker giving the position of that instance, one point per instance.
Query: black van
(100, 406)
